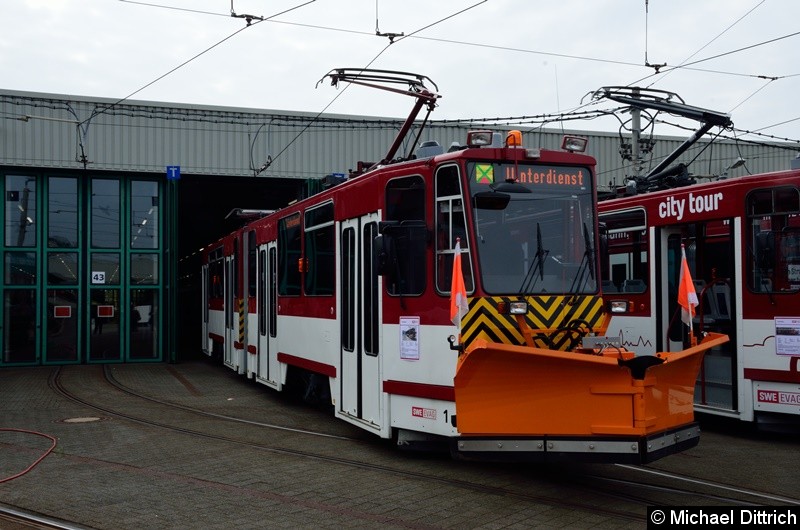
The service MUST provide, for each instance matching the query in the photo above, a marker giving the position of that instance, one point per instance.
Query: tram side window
(289, 239)
(235, 291)
(450, 224)
(215, 271)
(273, 293)
(774, 240)
(320, 248)
(369, 293)
(625, 269)
(251, 263)
(405, 209)
(349, 305)
(262, 292)
(790, 251)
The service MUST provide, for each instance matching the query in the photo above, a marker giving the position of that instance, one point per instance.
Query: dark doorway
(203, 204)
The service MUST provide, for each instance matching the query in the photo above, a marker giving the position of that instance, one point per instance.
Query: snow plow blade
(604, 406)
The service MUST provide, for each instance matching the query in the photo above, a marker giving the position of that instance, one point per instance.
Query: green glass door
(62, 261)
(81, 269)
(144, 279)
(125, 257)
(21, 274)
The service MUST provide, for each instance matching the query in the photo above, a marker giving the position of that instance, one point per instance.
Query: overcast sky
(492, 58)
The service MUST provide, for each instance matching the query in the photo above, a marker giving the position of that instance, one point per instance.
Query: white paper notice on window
(787, 336)
(793, 272)
(409, 338)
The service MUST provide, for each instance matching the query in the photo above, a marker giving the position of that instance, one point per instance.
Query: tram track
(632, 513)
(749, 496)
(13, 518)
(651, 494)
(597, 484)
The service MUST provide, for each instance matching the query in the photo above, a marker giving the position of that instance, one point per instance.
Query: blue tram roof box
(331, 180)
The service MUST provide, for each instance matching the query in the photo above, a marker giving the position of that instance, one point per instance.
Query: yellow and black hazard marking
(552, 315)
(241, 320)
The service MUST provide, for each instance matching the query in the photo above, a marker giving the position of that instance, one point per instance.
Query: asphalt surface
(78, 444)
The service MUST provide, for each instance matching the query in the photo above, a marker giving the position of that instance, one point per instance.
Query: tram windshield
(542, 241)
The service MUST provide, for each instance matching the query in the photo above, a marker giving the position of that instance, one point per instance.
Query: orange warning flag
(687, 296)
(458, 292)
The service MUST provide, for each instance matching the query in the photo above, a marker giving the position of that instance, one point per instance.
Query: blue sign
(173, 172)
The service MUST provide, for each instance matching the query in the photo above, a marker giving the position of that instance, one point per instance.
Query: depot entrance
(82, 268)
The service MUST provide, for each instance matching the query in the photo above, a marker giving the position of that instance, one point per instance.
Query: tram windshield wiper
(586, 268)
(537, 265)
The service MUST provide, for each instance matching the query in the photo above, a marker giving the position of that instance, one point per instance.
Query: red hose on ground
(50, 450)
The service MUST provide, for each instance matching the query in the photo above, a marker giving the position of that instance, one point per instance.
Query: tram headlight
(574, 144)
(517, 308)
(479, 138)
(618, 306)
(512, 308)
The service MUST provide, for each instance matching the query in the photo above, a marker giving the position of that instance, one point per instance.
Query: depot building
(107, 204)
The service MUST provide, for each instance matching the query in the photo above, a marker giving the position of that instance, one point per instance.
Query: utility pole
(636, 128)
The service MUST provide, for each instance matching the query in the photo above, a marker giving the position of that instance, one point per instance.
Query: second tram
(742, 240)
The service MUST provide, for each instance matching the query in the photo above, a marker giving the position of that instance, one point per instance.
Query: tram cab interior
(526, 248)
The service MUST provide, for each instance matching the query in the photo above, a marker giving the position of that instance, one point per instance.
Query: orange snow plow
(595, 404)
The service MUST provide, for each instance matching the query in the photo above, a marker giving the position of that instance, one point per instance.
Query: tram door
(231, 314)
(716, 282)
(359, 309)
(711, 260)
(671, 330)
(204, 283)
(268, 368)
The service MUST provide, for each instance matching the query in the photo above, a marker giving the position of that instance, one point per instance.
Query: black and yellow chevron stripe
(241, 320)
(484, 320)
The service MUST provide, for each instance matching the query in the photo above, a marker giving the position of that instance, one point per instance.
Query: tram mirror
(383, 254)
(765, 250)
(387, 226)
(510, 186)
(399, 245)
(398, 228)
(490, 200)
(383, 248)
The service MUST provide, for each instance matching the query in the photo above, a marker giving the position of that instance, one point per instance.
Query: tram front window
(542, 242)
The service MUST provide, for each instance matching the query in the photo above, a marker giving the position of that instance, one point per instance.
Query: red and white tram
(348, 293)
(742, 241)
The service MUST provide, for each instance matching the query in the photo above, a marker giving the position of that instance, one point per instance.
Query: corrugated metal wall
(55, 131)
